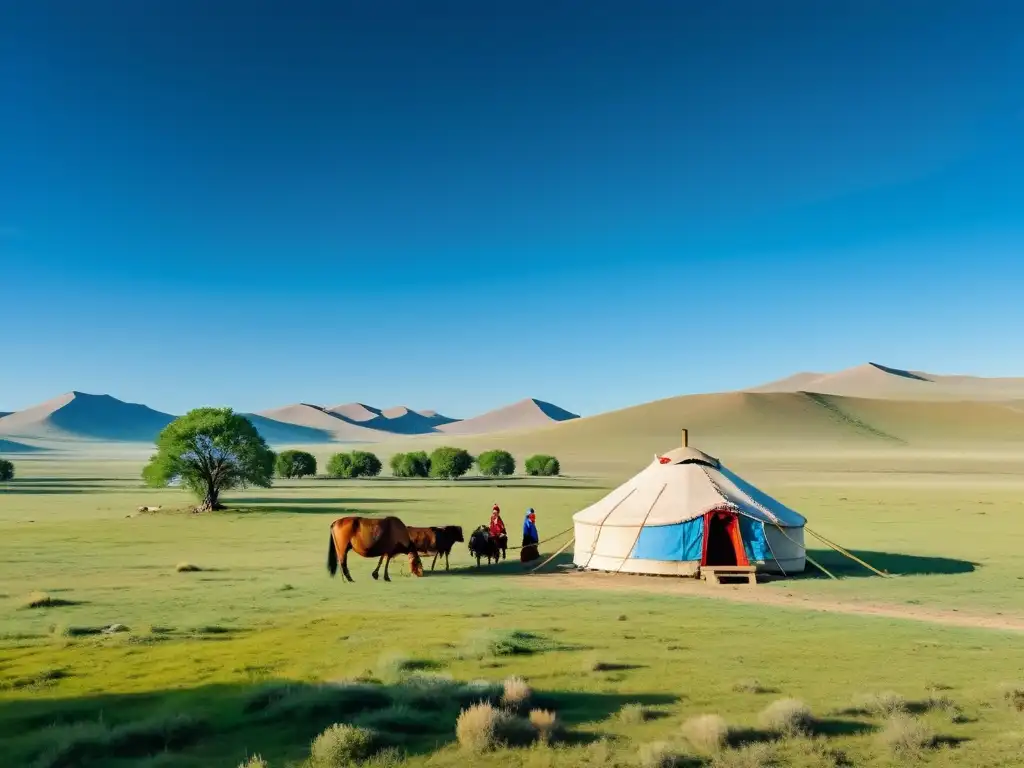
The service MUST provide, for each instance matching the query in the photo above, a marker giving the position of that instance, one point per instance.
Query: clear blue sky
(454, 205)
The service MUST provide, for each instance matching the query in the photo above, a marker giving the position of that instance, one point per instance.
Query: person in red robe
(497, 527)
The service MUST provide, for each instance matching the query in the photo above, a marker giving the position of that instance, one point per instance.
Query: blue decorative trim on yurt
(755, 541)
(682, 542)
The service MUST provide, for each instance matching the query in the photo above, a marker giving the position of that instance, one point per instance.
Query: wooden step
(723, 574)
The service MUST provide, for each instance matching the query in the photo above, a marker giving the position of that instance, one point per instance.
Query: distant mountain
(877, 381)
(81, 416)
(9, 446)
(354, 412)
(526, 414)
(316, 418)
(5, 413)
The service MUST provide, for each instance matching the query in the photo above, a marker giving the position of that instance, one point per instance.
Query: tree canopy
(295, 464)
(6, 470)
(355, 464)
(414, 464)
(449, 463)
(211, 450)
(496, 463)
(543, 465)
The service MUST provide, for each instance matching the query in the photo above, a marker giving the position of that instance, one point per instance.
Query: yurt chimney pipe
(686, 438)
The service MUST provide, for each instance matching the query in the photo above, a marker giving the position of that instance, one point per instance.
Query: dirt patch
(762, 596)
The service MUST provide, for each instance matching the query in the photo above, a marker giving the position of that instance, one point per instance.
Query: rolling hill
(81, 416)
(526, 414)
(877, 381)
(10, 446)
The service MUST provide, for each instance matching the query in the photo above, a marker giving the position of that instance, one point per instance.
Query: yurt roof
(681, 485)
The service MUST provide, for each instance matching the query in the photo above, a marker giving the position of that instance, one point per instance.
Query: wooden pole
(560, 551)
(686, 438)
(842, 551)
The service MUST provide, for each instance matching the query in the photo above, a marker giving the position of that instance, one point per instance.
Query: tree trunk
(211, 502)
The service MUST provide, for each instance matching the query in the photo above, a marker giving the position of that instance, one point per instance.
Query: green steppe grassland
(174, 639)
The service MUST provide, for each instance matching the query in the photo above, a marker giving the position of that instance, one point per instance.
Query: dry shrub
(1014, 696)
(340, 745)
(787, 717)
(634, 714)
(906, 736)
(187, 568)
(750, 756)
(749, 686)
(708, 733)
(886, 703)
(478, 728)
(547, 725)
(254, 762)
(659, 754)
(516, 694)
(43, 600)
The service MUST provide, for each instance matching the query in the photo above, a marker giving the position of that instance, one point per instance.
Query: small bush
(295, 464)
(1014, 696)
(187, 568)
(43, 600)
(415, 464)
(478, 728)
(393, 667)
(340, 465)
(787, 717)
(906, 736)
(340, 745)
(707, 733)
(547, 725)
(659, 754)
(634, 714)
(750, 756)
(6, 471)
(496, 463)
(254, 762)
(450, 463)
(543, 466)
(516, 694)
(885, 703)
(749, 686)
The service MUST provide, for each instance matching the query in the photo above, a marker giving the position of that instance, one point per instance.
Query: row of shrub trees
(444, 462)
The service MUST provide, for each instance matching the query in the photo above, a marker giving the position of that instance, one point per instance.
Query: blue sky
(455, 205)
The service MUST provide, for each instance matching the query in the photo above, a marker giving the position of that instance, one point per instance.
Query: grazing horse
(436, 541)
(371, 537)
(482, 544)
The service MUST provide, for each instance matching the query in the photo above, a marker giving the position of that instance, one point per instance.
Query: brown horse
(436, 541)
(370, 537)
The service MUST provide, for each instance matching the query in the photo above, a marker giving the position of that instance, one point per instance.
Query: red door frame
(732, 528)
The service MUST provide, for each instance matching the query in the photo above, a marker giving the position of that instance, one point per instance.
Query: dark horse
(371, 537)
(436, 541)
(482, 544)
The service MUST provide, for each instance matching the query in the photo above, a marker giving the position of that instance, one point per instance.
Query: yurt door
(723, 544)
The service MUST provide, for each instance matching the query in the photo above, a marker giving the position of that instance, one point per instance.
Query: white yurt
(683, 511)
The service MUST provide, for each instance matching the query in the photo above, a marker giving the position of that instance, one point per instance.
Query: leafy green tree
(415, 464)
(366, 464)
(341, 465)
(546, 466)
(6, 470)
(295, 464)
(211, 450)
(450, 463)
(496, 463)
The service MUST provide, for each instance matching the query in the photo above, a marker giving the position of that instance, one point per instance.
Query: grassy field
(246, 653)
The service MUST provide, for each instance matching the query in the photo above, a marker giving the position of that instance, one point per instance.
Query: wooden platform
(729, 574)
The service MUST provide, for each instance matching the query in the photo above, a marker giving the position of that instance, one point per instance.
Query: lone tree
(211, 450)
(366, 464)
(6, 470)
(546, 466)
(295, 464)
(496, 463)
(450, 463)
(415, 464)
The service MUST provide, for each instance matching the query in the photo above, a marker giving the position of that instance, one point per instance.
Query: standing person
(531, 539)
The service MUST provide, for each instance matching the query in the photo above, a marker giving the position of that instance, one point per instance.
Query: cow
(436, 540)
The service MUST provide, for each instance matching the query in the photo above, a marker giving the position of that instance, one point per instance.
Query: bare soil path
(759, 595)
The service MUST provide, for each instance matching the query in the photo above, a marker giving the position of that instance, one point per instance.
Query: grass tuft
(750, 686)
(478, 728)
(634, 714)
(886, 703)
(400, 718)
(516, 694)
(256, 761)
(187, 568)
(1014, 696)
(659, 754)
(547, 725)
(340, 745)
(907, 737)
(787, 717)
(43, 600)
(750, 756)
(707, 733)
